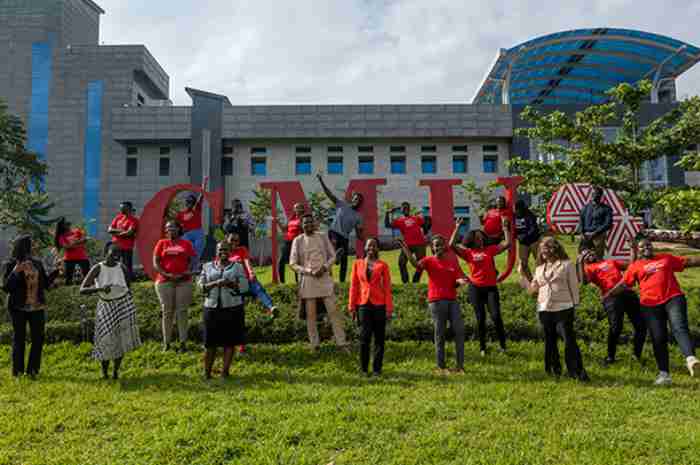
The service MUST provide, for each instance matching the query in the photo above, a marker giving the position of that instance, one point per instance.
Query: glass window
(164, 166)
(227, 150)
(258, 150)
(132, 167)
(303, 165)
(459, 164)
(365, 165)
(365, 149)
(227, 166)
(429, 165)
(490, 163)
(428, 148)
(165, 150)
(258, 166)
(189, 166)
(335, 165)
(397, 149)
(459, 148)
(304, 149)
(398, 165)
(132, 150)
(335, 149)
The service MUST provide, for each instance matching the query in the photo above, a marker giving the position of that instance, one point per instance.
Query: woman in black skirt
(223, 284)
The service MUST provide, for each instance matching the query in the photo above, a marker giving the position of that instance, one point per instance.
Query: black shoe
(583, 376)
(608, 361)
(377, 374)
(182, 348)
(115, 375)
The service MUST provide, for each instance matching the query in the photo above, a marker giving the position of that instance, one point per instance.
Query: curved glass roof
(578, 66)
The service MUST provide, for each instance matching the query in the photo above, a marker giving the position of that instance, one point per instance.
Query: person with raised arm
(557, 288)
(444, 277)
(617, 298)
(483, 279)
(346, 220)
(291, 230)
(191, 221)
(172, 258)
(223, 284)
(371, 304)
(411, 227)
(662, 301)
(116, 331)
(123, 229)
(496, 220)
(312, 257)
(72, 241)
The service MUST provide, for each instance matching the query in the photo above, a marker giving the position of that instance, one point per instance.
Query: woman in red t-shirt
(662, 300)
(495, 221)
(72, 241)
(483, 279)
(617, 298)
(291, 230)
(172, 259)
(444, 277)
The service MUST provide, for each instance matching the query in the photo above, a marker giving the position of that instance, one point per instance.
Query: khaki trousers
(175, 298)
(333, 315)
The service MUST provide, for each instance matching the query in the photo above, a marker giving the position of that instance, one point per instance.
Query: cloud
(362, 51)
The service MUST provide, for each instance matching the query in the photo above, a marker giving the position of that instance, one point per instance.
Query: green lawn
(287, 406)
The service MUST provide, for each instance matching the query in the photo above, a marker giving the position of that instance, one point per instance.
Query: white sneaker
(693, 364)
(664, 379)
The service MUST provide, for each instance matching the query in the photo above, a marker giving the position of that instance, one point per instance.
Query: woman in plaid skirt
(116, 332)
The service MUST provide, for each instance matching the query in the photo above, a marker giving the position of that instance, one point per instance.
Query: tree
(321, 208)
(481, 197)
(24, 205)
(260, 210)
(583, 154)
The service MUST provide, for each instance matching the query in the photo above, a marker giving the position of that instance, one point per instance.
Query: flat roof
(578, 66)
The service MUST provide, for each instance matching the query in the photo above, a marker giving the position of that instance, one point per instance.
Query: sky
(363, 51)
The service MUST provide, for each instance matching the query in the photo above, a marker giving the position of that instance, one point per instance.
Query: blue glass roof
(578, 66)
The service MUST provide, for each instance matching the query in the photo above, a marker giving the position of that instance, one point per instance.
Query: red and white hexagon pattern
(564, 208)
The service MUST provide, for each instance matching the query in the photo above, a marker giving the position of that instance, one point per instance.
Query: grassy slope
(286, 406)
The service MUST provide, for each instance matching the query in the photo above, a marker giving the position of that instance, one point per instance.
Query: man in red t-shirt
(495, 220)
(123, 229)
(190, 219)
(291, 230)
(412, 229)
(662, 300)
(617, 298)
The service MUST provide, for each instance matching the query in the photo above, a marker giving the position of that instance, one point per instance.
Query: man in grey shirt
(347, 217)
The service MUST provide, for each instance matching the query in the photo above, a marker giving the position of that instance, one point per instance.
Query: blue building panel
(38, 124)
(93, 155)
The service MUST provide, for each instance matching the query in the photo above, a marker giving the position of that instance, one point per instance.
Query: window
(227, 166)
(303, 165)
(258, 166)
(132, 167)
(398, 165)
(227, 150)
(428, 148)
(258, 150)
(132, 150)
(429, 165)
(189, 147)
(365, 149)
(459, 148)
(397, 149)
(164, 166)
(335, 149)
(303, 149)
(459, 164)
(490, 163)
(165, 150)
(335, 165)
(365, 165)
(463, 212)
(490, 148)
(189, 166)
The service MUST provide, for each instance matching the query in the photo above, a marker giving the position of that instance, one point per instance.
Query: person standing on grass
(312, 257)
(25, 281)
(347, 218)
(596, 220)
(411, 227)
(662, 301)
(223, 284)
(371, 304)
(557, 288)
(483, 284)
(239, 253)
(172, 258)
(495, 221)
(116, 331)
(444, 277)
(528, 234)
(72, 241)
(123, 230)
(617, 298)
(191, 221)
(292, 230)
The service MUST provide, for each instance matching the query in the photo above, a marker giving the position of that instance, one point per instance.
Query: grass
(285, 405)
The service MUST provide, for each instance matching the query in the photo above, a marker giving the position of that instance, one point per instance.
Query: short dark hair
(307, 215)
(586, 244)
(126, 203)
(470, 239)
(22, 247)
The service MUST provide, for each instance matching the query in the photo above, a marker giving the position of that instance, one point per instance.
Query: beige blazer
(557, 286)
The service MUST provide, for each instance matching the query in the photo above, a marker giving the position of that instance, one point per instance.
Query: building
(102, 119)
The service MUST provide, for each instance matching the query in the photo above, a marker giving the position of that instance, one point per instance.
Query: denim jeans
(342, 247)
(196, 237)
(480, 298)
(444, 311)
(657, 318)
(616, 307)
(259, 292)
(419, 252)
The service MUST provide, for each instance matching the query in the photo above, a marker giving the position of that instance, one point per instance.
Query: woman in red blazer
(371, 304)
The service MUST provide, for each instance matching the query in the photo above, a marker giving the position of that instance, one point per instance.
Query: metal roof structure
(578, 66)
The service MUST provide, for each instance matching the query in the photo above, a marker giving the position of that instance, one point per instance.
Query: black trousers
(557, 324)
(616, 307)
(127, 258)
(69, 269)
(372, 323)
(480, 298)
(284, 260)
(675, 311)
(342, 246)
(37, 323)
(419, 252)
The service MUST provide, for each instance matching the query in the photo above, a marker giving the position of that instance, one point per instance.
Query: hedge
(413, 320)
